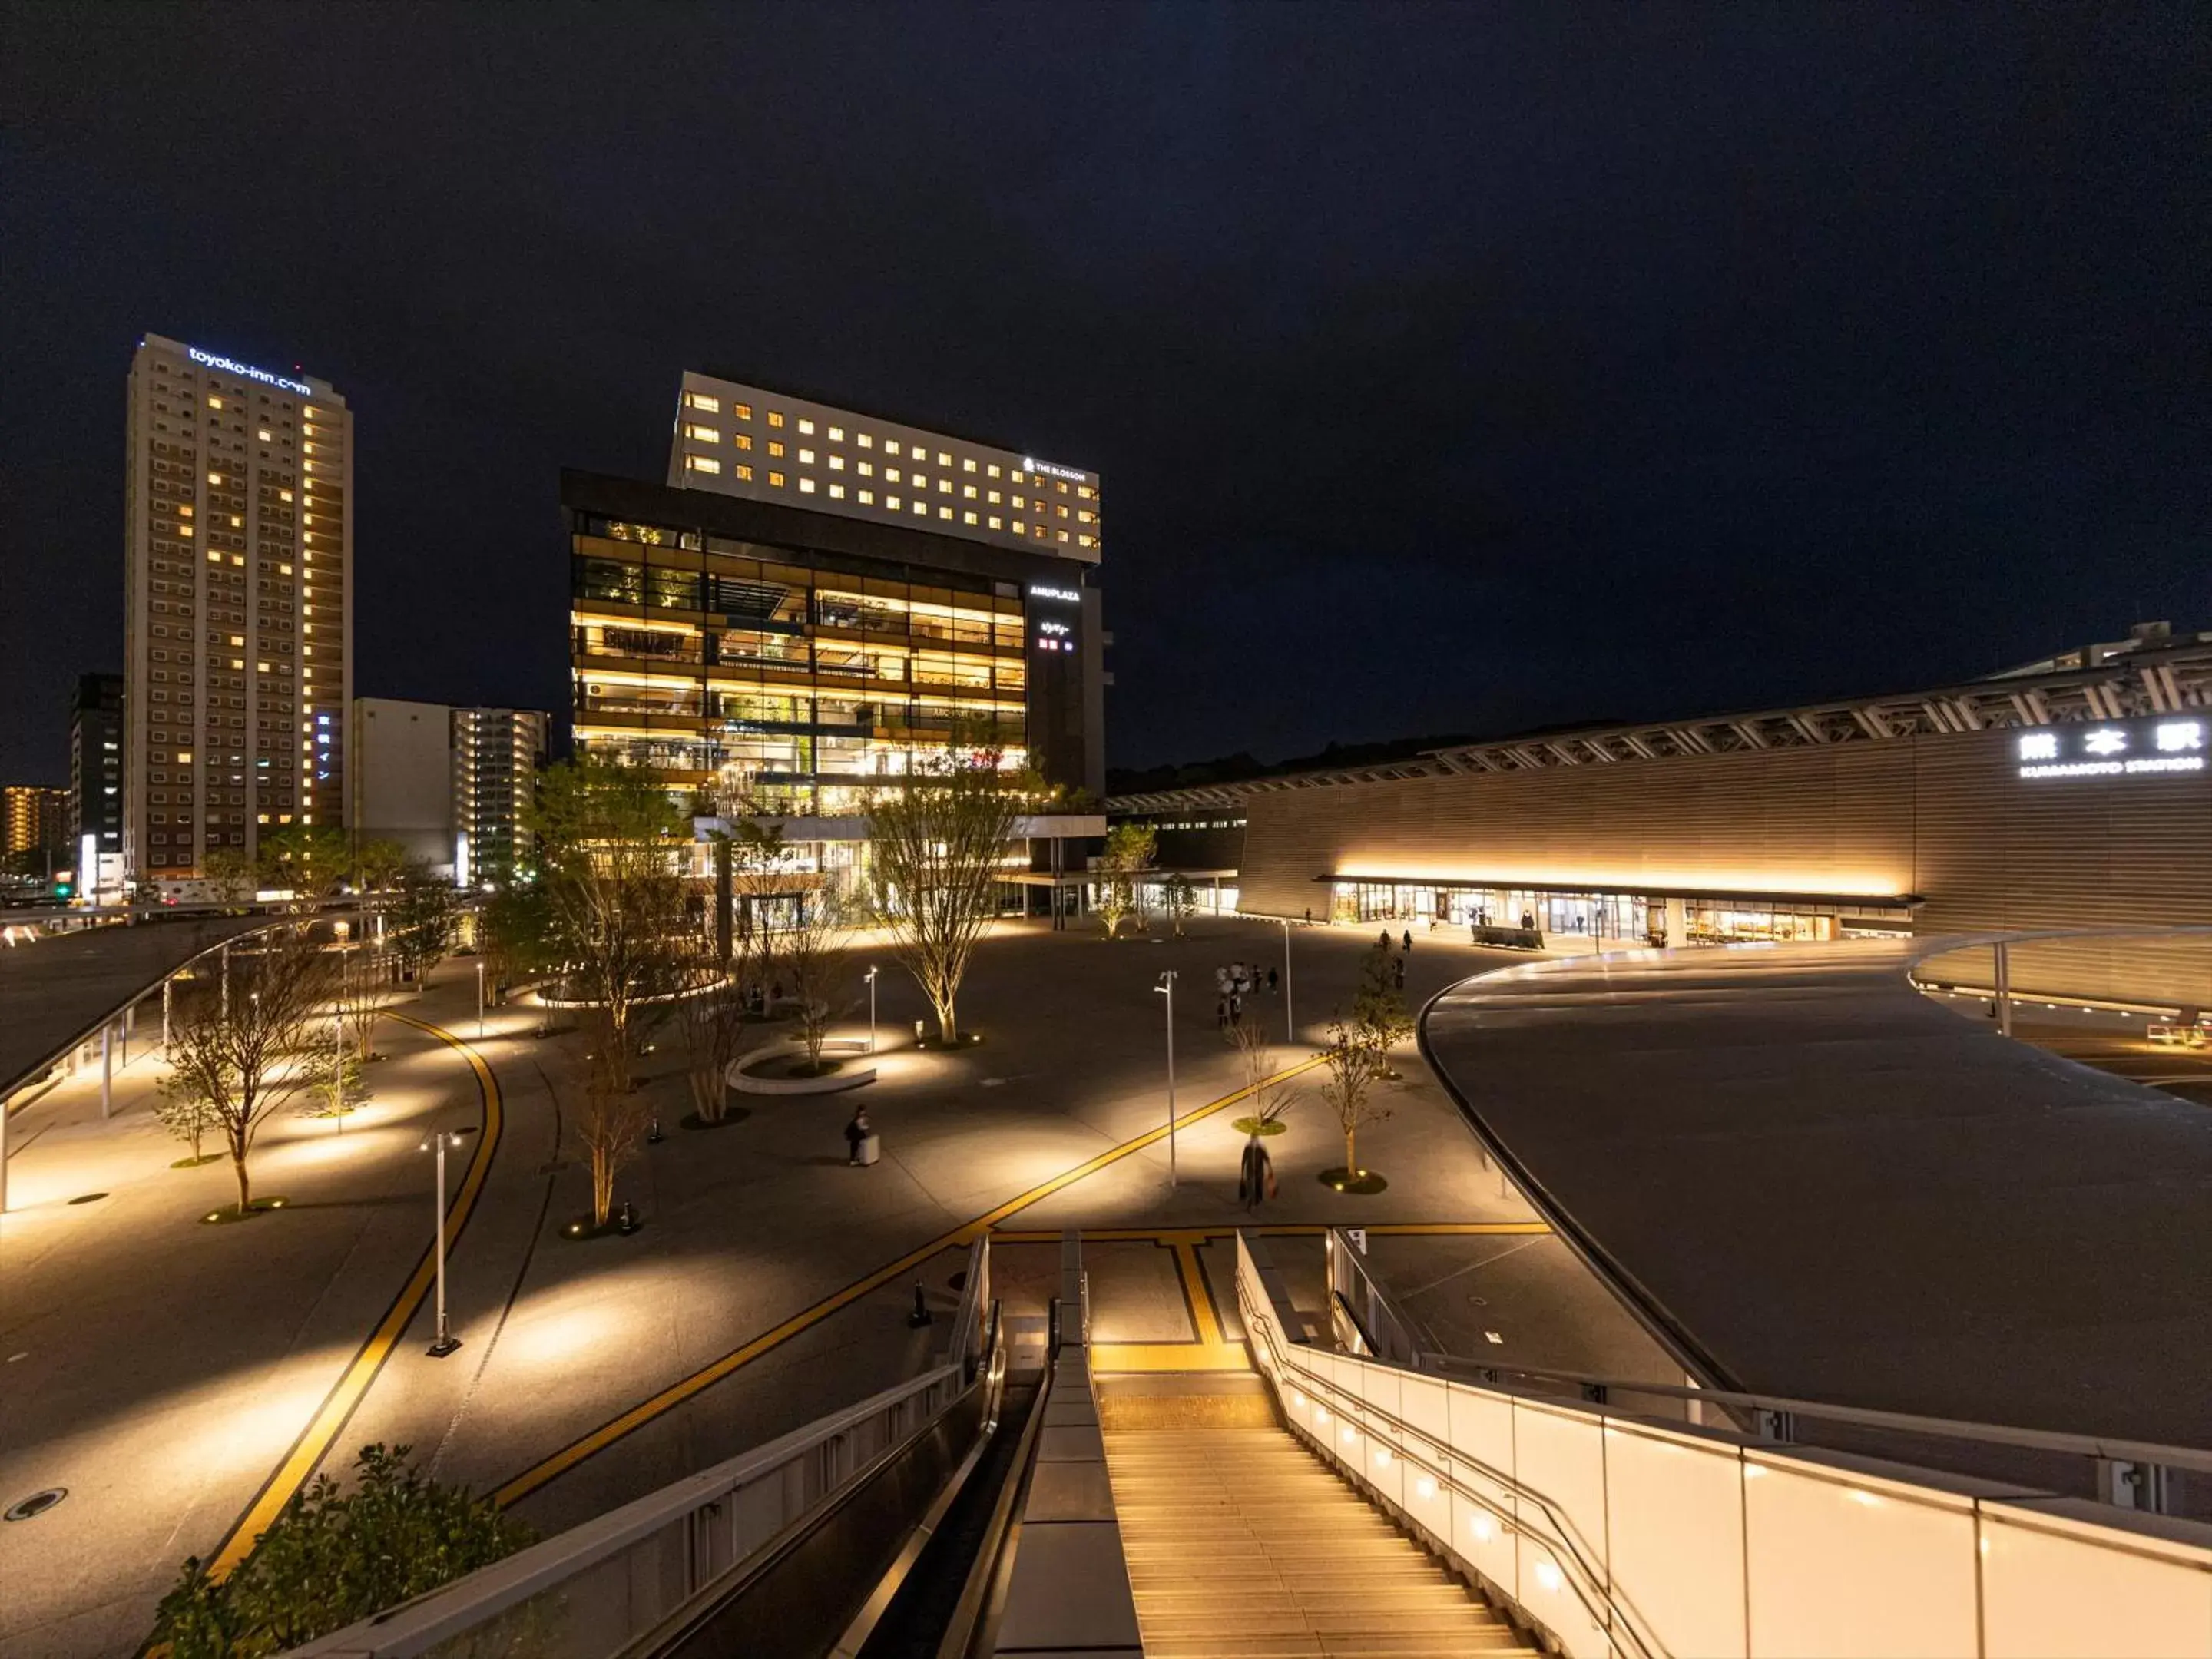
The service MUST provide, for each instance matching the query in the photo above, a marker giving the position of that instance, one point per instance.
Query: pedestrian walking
(1221, 1013)
(857, 1134)
(1310, 916)
(1255, 1183)
(1409, 938)
(1236, 1009)
(1273, 980)
(1385, 941)
(1400, 964)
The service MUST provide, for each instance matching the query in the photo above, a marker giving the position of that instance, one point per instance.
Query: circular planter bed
(1353, 1181)
(190, 1163)
(1250, 1126)
(779, 1069)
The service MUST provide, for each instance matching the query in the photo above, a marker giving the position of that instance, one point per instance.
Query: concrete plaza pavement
(170, 1366)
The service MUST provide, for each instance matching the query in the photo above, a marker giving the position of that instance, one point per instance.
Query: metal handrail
(1606, 1612)
(1993, 1434)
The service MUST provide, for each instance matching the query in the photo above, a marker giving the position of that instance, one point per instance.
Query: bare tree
(247, 1059)
(813, 953)
(614, 1118)
(613, 845)
(1179, 899)
(1268, 1093)
(363, 991)
(1129, 851)
(1379, 1016)
(710, 1012)
(939, 847)
(1352, 1066)
(186, 1112)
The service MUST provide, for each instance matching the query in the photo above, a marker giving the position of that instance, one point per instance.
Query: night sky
(1451, 369)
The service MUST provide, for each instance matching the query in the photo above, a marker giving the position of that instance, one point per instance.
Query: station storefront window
(1568, 919)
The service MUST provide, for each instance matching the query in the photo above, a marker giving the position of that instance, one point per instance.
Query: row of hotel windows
(707, 463)
(763, 650)
(709, 404)
(710, 464)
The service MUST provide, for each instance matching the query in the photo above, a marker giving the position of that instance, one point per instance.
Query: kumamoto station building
(2068, 792)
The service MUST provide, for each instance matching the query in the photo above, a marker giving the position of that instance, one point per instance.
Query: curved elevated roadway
(1828, 1186)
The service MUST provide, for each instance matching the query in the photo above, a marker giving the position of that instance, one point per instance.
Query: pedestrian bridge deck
(1842, 1190)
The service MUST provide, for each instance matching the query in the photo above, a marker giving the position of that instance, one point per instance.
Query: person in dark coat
(1255, 1183)
(1409, 938)
(856, 1132)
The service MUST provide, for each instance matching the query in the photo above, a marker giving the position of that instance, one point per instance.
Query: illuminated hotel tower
(237, 630)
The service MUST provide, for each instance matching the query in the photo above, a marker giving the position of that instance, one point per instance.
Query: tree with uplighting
(938, 846)
(1268, 1093)
(363, 994)
(614, 1120)
(1130, 848)
(613, 844)
(812, 956)
(1351, 1066)
(424, 922)
(247, 1059)
(1379, 1014)
(710, 1014)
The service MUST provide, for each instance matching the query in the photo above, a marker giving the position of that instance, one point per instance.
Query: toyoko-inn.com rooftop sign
(231, 365)
(2114, 749)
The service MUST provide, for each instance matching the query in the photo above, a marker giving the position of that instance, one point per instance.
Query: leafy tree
(1179, 899)
(350, 1091)
(613, 848)
(516, 931)
(379, 864)
(938, 845)
(1351, 1066)
(332, 1558)
(309, 859)
(424, 921)
(186, 1110)
(230, 875)
(1130, 848)
(1378, 1008)
(248, 1058)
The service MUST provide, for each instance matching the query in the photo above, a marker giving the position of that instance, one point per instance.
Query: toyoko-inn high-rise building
(239, 593)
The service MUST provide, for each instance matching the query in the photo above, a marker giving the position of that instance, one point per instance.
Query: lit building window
(775, 479)
(1020, 529)
(746, 473)
(893, 502)
(890, 474)
(965, 518)
(705, 434)
(776, 418)
(1087, 541)
(943, 512)
(968, 466)
(867, 498)
(774, 447)
(214, 477)
(265, 434)
(969, 491)
(865, 439)
(1017, 500)
(836, 463)
(1085, 515)
(867, 469)
(806, 486)
(702, 464)
(993, 497)
(998, 523)
(945, 486)
(1083, 490)
(836, 434)
(993, 470)
(836, 492)
(807, 428)
(215, 403)
(1062, 535)
(805, 456)
(921, 508)
(743, 412)
(742, 440)
(943, 459)
(702, 401)
(890, 447)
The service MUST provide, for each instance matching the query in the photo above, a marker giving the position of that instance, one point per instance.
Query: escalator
(911, 1561)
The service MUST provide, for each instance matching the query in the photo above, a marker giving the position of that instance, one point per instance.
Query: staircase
(1241, 1545)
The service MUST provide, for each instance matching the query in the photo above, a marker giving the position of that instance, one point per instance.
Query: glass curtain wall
(777, 687)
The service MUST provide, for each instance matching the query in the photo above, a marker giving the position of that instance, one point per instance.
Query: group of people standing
(1232, 983)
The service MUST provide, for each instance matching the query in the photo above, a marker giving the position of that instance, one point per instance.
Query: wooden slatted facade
(1944, 816)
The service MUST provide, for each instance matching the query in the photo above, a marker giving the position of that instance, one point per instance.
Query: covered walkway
(1833, 1188)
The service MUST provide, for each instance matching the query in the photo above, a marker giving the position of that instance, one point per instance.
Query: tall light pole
(1289, 1021)
(446, 1341)
(873, 972)
(1167, 987)
(337, 1051)
(480, 988)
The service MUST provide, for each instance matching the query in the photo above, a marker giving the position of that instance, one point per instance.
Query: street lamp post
(168, 986)
(480, 994)
(1166, 986)
(338, 1056)
(873, 972)
(1289, 1021)
(446, 1341)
